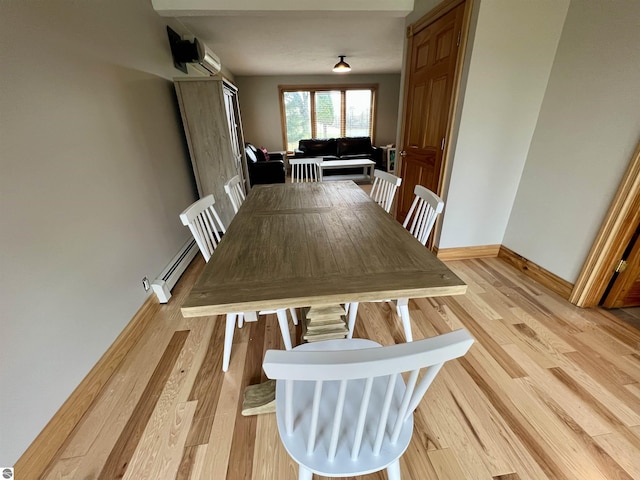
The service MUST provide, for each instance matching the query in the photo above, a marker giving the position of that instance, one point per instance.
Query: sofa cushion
(354, 146)
(317, 147)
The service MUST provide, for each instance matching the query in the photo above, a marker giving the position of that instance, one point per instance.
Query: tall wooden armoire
(212, 125)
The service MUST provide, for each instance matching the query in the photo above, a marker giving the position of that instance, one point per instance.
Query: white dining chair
(207, 230)
(422, 214)
(420, 220)
(204, 222)
(235, 192)
(342, 406)
(306, 170)
(384, 188)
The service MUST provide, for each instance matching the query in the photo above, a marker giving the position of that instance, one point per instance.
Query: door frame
(440, 10)
(615, 233)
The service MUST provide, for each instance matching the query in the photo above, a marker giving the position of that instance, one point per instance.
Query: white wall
(512, 54)
(94, 174)
(587, 131)
(420, 8)
(260, 105)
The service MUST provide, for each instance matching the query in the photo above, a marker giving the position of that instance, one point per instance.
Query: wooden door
(428, 103)
(624, 290)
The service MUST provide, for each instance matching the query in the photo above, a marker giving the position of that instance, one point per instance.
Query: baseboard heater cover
(165, 282)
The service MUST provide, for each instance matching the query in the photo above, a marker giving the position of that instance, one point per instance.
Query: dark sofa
(264, 170)
(340, 149)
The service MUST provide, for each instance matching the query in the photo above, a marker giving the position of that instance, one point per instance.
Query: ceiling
(296, 37)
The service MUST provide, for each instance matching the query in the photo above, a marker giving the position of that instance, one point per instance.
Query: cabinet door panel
(213, 136)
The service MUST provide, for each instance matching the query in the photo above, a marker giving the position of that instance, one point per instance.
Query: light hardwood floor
(548, 391)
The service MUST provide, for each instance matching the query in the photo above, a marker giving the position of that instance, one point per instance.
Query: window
(326, 112)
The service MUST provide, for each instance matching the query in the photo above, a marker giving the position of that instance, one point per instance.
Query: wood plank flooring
(548, 391)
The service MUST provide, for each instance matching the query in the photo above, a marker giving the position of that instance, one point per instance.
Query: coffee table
(366, 164)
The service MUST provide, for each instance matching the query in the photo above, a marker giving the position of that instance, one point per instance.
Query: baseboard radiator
(165, 282)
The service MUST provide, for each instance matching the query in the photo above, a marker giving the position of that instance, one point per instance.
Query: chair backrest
(305, 170)
(352, 376)
(423, 213)
(205, 225)
(384, 188)
(235, 191)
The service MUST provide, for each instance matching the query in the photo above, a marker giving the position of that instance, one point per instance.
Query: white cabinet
(211, 120)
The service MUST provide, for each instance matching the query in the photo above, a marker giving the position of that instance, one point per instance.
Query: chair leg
(294, 316)
(393, 471)
(403, 308)
(228, 340)
(353, 313)
(240, 320)
(304, 473)
(284, 328)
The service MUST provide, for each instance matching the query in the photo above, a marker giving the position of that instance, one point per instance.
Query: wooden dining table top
(313, 244)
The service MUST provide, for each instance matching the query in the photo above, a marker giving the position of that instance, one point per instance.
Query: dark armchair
(264, 170)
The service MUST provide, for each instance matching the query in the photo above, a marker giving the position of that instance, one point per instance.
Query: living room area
(348, 151)
(346, 158)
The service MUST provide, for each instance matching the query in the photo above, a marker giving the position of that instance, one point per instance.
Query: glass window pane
(297, 110)
(327, 114)
(358, 113)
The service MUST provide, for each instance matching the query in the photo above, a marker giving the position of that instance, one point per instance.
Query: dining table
(315, 246)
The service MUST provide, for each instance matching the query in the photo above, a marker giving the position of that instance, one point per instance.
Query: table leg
(260, 398)
(318, 323)
(251, 316)
(324, 323)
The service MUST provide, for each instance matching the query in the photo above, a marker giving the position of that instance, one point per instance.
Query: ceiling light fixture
(342, 66)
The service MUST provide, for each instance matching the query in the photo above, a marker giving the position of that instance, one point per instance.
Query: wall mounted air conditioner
(206, 59)
(193, 53)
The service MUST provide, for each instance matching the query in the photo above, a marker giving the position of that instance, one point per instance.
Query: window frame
(312, 89)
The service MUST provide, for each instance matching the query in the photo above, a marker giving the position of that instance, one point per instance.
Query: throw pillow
(265, 153)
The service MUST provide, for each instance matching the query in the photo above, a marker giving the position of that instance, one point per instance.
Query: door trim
(614, 235)
(440, 10)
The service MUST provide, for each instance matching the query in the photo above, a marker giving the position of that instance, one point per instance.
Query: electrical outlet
(146, 284)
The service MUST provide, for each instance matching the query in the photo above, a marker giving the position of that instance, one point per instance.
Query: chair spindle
(406, 399)
(317, 397)
(386, 407)
(364, 407)
(428, 377)
(337, 420)
(289, 405)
